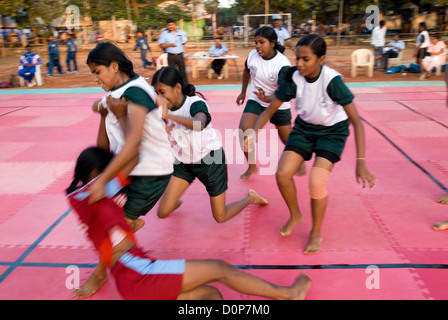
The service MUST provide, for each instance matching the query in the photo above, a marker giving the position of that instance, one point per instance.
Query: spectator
(142, 44)
(53, 52)
(392, 50)
(378, 40)
(436, 57)
(283, 36)
(72, 48)
(29, 60)
(217, 50)
(423, 42)
(172, 41)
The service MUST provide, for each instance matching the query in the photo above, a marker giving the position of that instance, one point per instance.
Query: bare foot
(301, 286)
(135, 224)
(313, 245)
(257, 199)
(302, 170)
(286, 230)
(440, 226)
(444, 199)
(91, 286)
(250, 171)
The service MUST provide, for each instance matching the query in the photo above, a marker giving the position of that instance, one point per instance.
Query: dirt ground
(337, 58)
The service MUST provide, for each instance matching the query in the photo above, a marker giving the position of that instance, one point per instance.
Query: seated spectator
(392, 50)
(217, 50)
(29, 60)
(436, 57)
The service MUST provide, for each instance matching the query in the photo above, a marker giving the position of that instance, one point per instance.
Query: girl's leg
(247, 122)
(319, 198)
(170, 200)
(93, 283)
(283, 132)
(200, 272)
(288, 165)
(222, 212)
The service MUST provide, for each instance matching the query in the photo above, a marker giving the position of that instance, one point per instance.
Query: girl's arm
(135, 124)
(246, 77)
(197, 123)
(268, 113)
(362, 173)
(102, 140)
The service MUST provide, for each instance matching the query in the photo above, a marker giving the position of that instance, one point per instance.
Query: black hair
(171, 77)
(382, 23)
(169, 20)
(270, 34)
(317, 45)
(105, 53)
(422, 24)
(90, 159)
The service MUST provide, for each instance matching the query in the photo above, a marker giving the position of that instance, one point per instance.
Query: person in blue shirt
(53, 56)
(173, 41)
(29, 60)
(72, 48)
(392, 50)
(142, 44)
(283, 36)
(217, 50)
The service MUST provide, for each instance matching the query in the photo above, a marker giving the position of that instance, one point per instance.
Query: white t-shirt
(190, 146)
(423, 39)
(155, 149)
(264, 74)
(313, 103)
(378, 37)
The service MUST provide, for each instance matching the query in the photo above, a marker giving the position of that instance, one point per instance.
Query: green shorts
(327, 142)
(280, 117)
(212, 174)
(143, 193)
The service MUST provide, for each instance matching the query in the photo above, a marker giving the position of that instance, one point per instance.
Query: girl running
(141, 277)
(263, 67)
(325, 109)
(136, 136)
(197, 149)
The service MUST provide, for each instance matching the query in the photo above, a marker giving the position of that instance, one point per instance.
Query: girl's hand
(98, 107)
(119, 107)
(363, 175)
(261, 95)
(97, 191)
(241, 98)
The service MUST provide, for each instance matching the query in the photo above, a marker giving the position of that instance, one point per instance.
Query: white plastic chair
(162, 61)
(362, 58)
(37, 76)
(199, 63)
(396, 61)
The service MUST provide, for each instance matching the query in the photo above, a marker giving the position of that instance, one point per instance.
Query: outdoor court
(43, 130)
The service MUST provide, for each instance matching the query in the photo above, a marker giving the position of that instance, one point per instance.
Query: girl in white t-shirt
(325, 109)
(264, 66)
(197, 149)
(135, 134)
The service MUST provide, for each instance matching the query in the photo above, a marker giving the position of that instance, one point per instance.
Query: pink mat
(389, 226)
